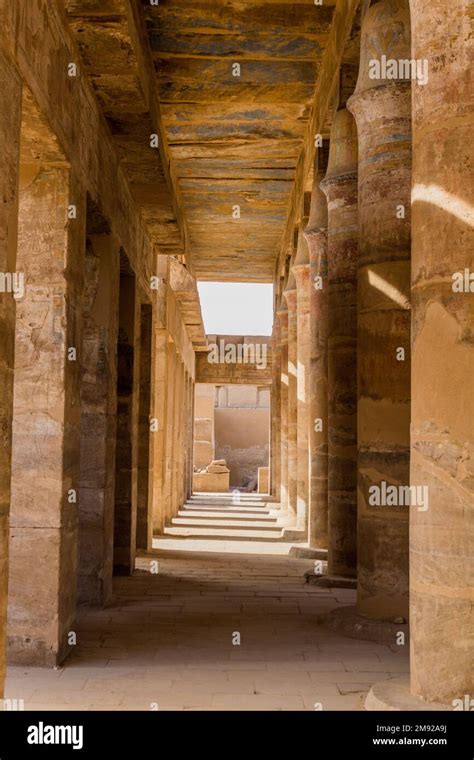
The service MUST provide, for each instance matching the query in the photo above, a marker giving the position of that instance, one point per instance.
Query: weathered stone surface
(158, 409)
(290, 296)
(142, 440)
(242, 434)
(216, 469)
(441, 538)
(382, 110)
(128, 356)
(204, 429)
(182, 147)
(215, 114)
(233, 359)
(275, 406)
(45, 461)
(316, 236)
(301, 273)
(208, 482)
(263, 479)
(10, 109)
(98, 413)
(283, 318)
(340, 187)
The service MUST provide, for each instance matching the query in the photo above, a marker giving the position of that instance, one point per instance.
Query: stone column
(189, 442)
(290, 297)
(189, 485)
(441, 536)
(47, 416)
(275, 403)
(301, 272)
(316, 236)
(191, 437)
(159, 370)
(382, 111)
(158, 424)
(175, 433)
(283, 320)
(182, 479)
(144, 505)
(124, 516)
(340, 188)
(10, 108)
(170, 395)
(183, 437)
(98, 419)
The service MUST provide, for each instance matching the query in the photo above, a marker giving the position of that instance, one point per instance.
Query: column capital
(385, 44)
(343, 151)
(289, 294)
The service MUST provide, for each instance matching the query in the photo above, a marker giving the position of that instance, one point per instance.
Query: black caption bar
(125, 734)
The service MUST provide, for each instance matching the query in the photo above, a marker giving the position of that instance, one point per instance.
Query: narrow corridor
(169, 639)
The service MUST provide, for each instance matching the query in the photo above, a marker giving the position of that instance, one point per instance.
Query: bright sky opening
(236, 308)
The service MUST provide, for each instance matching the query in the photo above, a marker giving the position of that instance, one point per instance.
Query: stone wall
(204, 443)
(242, 429)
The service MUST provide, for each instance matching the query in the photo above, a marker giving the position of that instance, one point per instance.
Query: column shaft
(275, 404)
(340, 187)
(10, 108)
(316, 236)
(144, 505)
(283, 318)
(128, 350)
(46, 436)
(301, 271)
(170, 386)
(382, 111)
(290, 296)
(442, 536)
(98, 420)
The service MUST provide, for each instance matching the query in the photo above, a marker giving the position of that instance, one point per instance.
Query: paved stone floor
(167, 640)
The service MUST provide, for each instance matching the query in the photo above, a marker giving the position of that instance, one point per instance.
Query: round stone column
(301, 272)
(340, 188)
(283, 319)
(442, 433)
(316, 237)
(290, 297)
(381, 107)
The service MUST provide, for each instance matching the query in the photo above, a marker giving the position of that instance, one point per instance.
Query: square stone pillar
(181, 467)
(158, 425)
(127, 403)
(283, 318)
(10, 108)
(177, 434)
(191, 438)
(144, 504)
(98, 419)
(46, 421)
(189, 422)
(170, 443)
(158, 400)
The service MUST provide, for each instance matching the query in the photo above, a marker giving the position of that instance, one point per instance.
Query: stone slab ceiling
(235, 140)
(225, 140)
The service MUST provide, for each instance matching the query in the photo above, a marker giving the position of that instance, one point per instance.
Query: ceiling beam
(328, 80)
